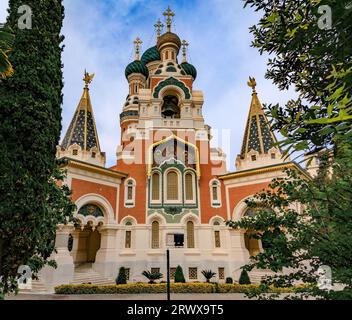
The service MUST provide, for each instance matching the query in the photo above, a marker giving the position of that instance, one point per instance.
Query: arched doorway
(87, 236)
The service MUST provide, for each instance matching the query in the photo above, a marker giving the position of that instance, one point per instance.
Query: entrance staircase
(84, 273)
(257, 274)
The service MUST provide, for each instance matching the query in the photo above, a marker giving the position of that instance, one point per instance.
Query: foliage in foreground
(152, 276)
(314, 58)
(32, 202)
(300, 243)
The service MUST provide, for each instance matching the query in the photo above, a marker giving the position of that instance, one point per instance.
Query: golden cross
(185, 44)
(159, 26)
(252, 83)
(88, 78)
(138, 42)
(169, 14)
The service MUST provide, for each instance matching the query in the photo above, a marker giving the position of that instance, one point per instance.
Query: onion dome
(189, 69)
(151, 55)
(169, 37)
(136, 67)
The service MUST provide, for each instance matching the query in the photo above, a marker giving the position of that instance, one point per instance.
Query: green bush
(229, 280)
(137, 288)
(134, 288)
(121, 278)
(244, 278)
(179, 277)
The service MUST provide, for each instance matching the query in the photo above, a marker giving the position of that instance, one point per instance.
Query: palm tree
(152, 276)
(6, 42)
(208, 274)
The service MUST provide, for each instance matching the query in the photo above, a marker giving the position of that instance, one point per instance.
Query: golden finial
(159, 26)
(169, 14)
(138, 42)
(252, 83)
(88, 78)
(185, 44)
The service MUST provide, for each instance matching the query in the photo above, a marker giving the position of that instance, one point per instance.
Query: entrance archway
(87, 238)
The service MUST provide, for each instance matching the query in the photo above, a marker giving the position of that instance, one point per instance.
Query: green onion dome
(151, 55)
(189, 69)
(136, 67)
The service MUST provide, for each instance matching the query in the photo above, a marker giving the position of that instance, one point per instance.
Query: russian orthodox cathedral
(168, 189)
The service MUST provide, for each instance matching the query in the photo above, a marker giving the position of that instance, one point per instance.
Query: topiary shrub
(121, 278)
(179, 277)
(244, 278)
(229, 280)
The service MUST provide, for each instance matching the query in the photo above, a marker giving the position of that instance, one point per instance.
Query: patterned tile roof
(82, 129)
(258, 134)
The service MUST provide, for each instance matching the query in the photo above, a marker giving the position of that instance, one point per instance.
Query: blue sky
(99, 37)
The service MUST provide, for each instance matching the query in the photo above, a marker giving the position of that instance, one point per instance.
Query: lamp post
(168, 273)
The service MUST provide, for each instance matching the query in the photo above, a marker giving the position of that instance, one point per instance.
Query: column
(106, 260)
(63, 274)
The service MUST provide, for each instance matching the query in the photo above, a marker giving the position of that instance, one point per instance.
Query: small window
(254, 158)
(221, 272)
(217, 239)
(189, 186)
(155, 270)
(173, 55)
(93, 154)
(172, 186)
(215, 192)
(155, 235)
(190, 234)
(167, 55)
(75, 152)
(172, 273)
(193, 273)
(273, 156)
(130, 193)
(127, 271)
(128, 239)
(216, 223)
(156, 186)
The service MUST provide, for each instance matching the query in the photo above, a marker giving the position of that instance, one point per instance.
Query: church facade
(169, 189)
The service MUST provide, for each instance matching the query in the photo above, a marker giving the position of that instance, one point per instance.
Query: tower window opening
(254, 158)
(273, 156)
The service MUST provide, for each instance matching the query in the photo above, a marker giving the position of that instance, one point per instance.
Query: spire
(169, 14)
(258, 135)
(138, 42)
(185, 44)
(158, 27)
(82, 131)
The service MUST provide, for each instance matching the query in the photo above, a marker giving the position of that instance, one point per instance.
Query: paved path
(179, 296)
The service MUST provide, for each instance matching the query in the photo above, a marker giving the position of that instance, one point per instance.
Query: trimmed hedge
(133, 288)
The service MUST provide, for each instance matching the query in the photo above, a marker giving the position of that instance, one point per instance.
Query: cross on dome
(159, 27)
(185, 44)
(169, 14)
(138, 42)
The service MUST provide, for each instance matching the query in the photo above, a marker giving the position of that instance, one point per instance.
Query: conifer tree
(32, 202)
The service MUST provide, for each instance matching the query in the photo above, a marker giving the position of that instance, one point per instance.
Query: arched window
(172, 191)
(155, 186)
(130, 193)
(215, 193)
(190, 234)
(189, 192)
(155, 235)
